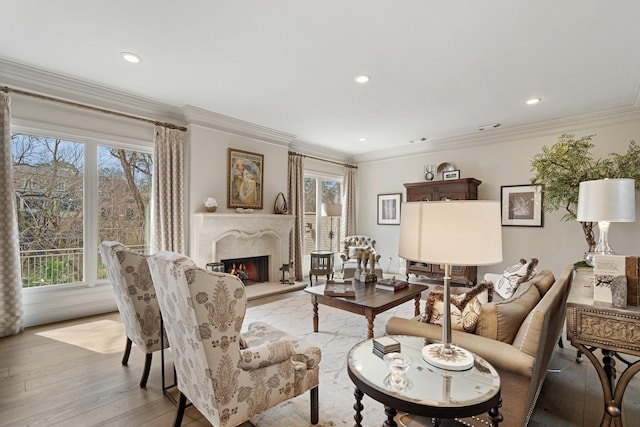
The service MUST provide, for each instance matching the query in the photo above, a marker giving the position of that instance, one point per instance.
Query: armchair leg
(127, 352)
(145, 372)
(182, 403)
(314, 405)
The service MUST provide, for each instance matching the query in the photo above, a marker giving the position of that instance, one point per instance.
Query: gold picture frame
(245, 173)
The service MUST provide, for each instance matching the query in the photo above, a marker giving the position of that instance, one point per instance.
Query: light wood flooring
(69, 374)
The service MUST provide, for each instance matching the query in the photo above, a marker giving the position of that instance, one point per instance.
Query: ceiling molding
(30, 79)
(321, 152)
(504, 134)
(205, 118)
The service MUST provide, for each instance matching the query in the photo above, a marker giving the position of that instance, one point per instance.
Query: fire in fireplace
(249, 269)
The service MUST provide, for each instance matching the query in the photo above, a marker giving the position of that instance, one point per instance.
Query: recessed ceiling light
(532, 101)
(362, 139)
(362, 78)
(131, 57)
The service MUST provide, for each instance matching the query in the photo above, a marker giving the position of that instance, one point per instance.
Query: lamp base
(458, 359)
(590, 257)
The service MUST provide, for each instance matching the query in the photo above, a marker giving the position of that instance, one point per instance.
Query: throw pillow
(514, 276)
(501, 321)
(464, 308)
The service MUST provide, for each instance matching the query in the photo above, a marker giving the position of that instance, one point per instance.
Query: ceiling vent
(489, 127)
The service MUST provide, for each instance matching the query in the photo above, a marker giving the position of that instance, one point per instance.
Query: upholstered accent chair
(227, 376)
(135, 296)
(352, 243)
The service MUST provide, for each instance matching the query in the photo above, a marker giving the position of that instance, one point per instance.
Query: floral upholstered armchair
(227, 376)
(351, 244)
(135, 296)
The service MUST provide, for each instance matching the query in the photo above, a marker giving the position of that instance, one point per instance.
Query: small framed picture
(389, 208)
(455, 174)
(521, 205)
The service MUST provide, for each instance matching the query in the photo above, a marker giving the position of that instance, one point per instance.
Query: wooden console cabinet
(456, 189)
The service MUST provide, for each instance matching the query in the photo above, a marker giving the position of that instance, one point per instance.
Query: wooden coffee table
(368, 301)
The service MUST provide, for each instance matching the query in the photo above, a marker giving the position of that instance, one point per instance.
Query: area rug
(338, 332)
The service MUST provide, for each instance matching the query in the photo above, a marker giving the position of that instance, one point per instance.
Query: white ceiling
(439, 69)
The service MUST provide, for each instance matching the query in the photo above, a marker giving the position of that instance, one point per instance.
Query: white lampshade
(612, 200)
(456, 232)
(331, 209)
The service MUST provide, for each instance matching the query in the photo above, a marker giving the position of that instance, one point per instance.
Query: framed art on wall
(521, 205)
(245, 173)
(389, 208)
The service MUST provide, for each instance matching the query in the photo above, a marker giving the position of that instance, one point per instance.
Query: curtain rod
(346, 165)
(98, 109)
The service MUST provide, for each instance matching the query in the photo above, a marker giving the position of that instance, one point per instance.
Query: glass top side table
(427, 391)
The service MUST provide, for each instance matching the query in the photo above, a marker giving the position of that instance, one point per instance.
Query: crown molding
(321, 152)
(42, 82)
(504, 134)
(205, 118)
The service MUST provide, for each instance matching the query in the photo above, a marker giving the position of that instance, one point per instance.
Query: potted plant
(562, 167)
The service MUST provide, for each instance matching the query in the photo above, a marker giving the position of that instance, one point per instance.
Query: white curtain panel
(168, 190)
(349, 201)
(295, 189)
(10, 280)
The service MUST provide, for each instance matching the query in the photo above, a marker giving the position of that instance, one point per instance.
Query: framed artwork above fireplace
(245, 173)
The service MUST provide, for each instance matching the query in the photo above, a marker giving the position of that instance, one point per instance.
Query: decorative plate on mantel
(445, 167)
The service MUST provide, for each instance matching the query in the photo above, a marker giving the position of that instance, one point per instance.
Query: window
(61, 214)
(321, 232)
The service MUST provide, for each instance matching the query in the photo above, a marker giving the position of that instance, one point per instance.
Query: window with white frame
(70, 196)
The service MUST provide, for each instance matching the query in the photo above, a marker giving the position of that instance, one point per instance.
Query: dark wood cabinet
(456, 189)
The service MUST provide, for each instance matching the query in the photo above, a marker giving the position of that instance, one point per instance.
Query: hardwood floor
(69, 374)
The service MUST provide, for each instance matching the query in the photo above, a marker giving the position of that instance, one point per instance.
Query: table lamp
(456, 232)
(605, 201)
(331, 210)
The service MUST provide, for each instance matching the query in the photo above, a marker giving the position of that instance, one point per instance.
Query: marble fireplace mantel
(217, 236)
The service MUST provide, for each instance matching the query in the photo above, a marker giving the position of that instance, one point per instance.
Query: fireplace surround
(219, 236)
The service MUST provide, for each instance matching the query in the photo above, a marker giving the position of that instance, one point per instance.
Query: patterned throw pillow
(514, 275)
(464, 308)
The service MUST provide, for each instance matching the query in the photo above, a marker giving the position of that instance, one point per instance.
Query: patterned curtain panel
(10, 280)
(349, 201)
(168, 191)
(295, 189)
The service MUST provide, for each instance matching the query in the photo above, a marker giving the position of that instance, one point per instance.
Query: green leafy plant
(562, 167)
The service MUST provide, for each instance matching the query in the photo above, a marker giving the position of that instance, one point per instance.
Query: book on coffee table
(391, 285)
(384, 345)
(339, 289)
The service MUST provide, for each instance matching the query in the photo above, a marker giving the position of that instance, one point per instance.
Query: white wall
(206, 167)
(503, 162)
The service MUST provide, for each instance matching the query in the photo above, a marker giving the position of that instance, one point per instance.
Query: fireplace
(248, 269)
(223, 236)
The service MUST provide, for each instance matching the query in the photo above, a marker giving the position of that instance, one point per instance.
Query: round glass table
(423, 390)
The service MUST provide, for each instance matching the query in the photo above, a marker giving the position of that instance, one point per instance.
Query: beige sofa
(517, 336)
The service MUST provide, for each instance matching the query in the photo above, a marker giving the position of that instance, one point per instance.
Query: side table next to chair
(321, 265)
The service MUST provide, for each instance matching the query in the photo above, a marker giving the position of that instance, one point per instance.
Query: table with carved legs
(368, 301)
(593, 326)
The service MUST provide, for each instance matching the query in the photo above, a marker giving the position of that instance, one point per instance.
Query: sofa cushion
(543, 281)
(513, 276)
(464, 308)
(501, 320)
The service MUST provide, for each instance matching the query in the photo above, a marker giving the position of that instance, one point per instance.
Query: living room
(498, 157)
